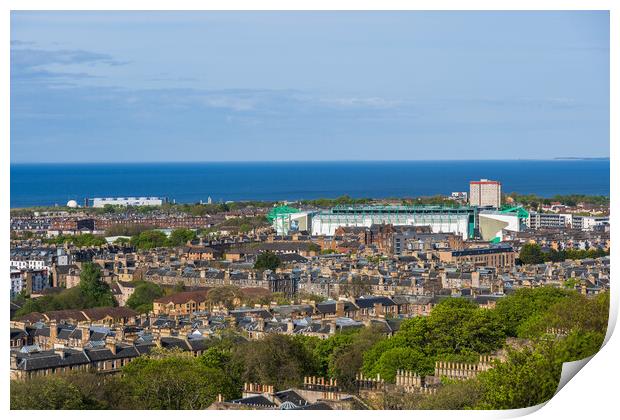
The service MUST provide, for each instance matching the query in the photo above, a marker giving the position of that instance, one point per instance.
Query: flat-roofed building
(485, 193)
(127, 201)
(549, 220)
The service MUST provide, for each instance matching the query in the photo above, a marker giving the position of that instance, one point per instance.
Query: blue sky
(221, 86)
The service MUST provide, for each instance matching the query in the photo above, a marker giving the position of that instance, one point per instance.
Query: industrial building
(465, 221)
(457, 220)
(127, 201)
(285, 219)
(491, 224)
(485, 193)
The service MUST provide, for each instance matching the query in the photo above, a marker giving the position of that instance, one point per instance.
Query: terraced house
(183, 303)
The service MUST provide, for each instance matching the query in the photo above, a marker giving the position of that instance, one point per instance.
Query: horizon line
(303, 161)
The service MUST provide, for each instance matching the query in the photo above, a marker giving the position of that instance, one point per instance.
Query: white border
(591, 394)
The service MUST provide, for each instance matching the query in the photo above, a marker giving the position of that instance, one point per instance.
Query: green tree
(458, 326)
(180, 237)
(149, 239)
(328, 251)
(407, 358)
(579, 345)
(94, 291)
(347, 360)
(483, 333)
(311, 297)
(573, 312)
(458, 395)
(221, 357)
(171, 380)
(314, 247)
(413, 334)
(45, 303)
(85, 239)
(531, 254)
(224, 295)
(571, 283)
(276, 359)
(279, 298)
(47, 393)
(356, 287)
(323, 350)
(529, 377)
(143, 296)
(216, 357)
(456, 330)
(127, 230)
(267, 261)
(515, 309)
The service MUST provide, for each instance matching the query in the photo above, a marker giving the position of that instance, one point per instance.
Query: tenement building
(494, 256)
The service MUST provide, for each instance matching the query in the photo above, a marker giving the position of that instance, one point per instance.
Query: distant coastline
(581, 158)
(48, 185)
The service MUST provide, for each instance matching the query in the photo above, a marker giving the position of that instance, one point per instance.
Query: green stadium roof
(521, 212)
(280, 211)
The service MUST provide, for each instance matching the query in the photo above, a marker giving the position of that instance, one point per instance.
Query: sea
(55, 184)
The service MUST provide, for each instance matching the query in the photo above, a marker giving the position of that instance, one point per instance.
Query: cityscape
(341, 284)
(249, 213)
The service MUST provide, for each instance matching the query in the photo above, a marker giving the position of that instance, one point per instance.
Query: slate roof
(76, 315)
(369, 301)
(144, 348)
(315, 406)
(257, 400)
(287, 310)
(174, 342)
(329, 306)
(65, 269)
(65, 332)
(244, 312)
(51, 359)
(31, 358)
(292, 396)
(16, 333)
(294, 257)
(103, 353)
(66, 314)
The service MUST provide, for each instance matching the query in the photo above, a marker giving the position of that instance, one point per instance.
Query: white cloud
(361, 102)
(232, 102)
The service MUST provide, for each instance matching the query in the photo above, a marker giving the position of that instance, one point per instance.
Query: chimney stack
(110, 344)
(340, 308)
(53, 333)
(13, 361)
(85, 328)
